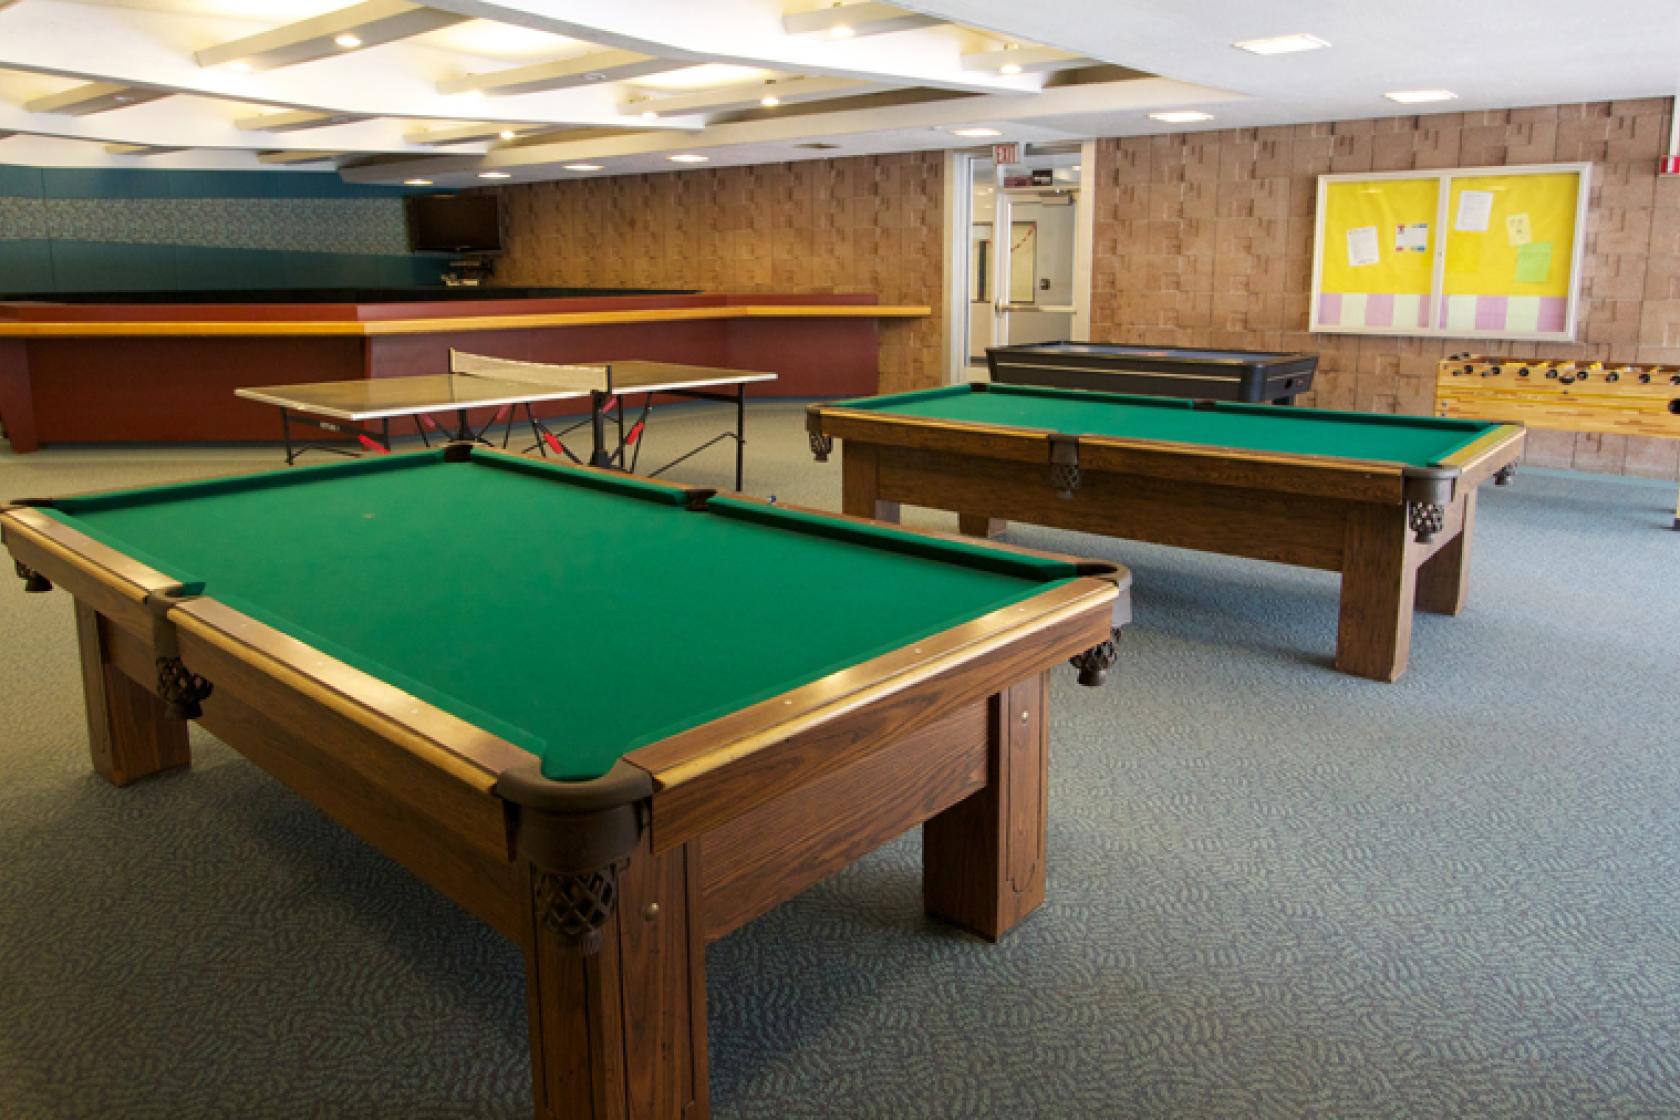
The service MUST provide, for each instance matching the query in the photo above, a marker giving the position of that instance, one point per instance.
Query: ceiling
(388, 91)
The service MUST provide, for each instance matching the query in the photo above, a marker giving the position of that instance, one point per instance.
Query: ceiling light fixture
(581, 167)
(1010, 68)
(769, 101)
(494, 175)
(688, 157)
(1282, 44)
(239, 66)
(1181, 116)
(840, 31)
(348, 41)
(1420, 96)
(649, 115)
(417, 182)
(507, 134)
(975, 133)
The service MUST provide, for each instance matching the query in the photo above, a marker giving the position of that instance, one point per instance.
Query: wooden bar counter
(148, 371)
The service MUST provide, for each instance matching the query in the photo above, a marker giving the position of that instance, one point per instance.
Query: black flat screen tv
(454, 223)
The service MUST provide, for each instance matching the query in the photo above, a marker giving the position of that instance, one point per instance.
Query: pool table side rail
(1315, 475)
(713, 773)
(115, 584)
(1488, 453)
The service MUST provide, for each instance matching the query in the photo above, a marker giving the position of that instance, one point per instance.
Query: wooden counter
(140, 372)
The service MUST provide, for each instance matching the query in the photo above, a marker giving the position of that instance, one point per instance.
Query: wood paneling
(865, 224)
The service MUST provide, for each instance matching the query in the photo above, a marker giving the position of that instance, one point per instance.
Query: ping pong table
(510, 391)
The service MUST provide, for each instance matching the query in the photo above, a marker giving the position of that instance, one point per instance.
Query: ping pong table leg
(740, 435)
(598, 456)
(286, 434)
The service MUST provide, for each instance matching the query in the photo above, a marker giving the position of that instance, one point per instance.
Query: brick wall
(864, 224)
(1206, 239)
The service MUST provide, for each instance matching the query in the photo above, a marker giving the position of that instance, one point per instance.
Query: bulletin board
(1466, 253)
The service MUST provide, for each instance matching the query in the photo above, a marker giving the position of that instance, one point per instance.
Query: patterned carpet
(1274, 891)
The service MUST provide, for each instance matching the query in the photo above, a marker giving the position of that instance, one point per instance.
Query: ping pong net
(584, 378)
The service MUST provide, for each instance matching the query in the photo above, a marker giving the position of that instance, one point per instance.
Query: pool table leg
(979, 525)
(860, 484)
(1443, 580)
(983, 858)
(1379, 583)
(131, 733)
(620, 1034)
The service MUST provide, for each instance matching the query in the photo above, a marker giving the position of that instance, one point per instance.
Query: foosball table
(1574, 395)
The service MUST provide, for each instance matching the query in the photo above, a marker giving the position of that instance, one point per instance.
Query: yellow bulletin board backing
(1467, 253)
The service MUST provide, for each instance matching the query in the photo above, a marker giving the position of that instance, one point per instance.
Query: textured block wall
(864, 224)
(1206, 239)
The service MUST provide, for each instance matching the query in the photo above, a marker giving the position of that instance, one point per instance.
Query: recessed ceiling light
(688, 157)
(507, 134)
(580, 167)
(494, 175)
(417, 182)
(1419, 96)
(649, 115)
(471, 95)
(348, 41)
(975, 133)
(1282, 44)
(769, 101)
(1181, 116)
(239, 66)
(1011, 68)
(840, 31)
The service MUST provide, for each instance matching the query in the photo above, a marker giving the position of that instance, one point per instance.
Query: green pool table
(1387, 501)
(747, 698)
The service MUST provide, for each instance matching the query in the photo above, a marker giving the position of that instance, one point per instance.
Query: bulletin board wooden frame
(1510, 279)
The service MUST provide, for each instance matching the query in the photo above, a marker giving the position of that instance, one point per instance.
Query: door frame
(955, 281)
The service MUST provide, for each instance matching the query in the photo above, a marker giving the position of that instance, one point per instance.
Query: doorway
(1023, 254)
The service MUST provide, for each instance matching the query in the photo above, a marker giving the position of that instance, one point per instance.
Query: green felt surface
(1414, 441)
(448, 580)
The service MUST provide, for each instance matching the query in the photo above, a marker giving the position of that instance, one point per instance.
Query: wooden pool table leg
(979, 525)
(860, 484)
(983, 858)
(1443, 580)
(1379, 582)
(620, 1034)
(131, 733)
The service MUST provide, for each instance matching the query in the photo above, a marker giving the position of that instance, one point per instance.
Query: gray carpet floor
(1275, 891)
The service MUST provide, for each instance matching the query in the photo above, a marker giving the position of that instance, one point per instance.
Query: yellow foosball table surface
(1575, 395)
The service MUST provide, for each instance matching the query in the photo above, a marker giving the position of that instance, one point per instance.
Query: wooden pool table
(766, 695)
(1387, 501)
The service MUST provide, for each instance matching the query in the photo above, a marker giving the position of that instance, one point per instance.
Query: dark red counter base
(179, 388)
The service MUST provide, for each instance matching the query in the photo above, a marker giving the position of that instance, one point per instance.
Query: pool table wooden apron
(1399, 535)
(612, 887)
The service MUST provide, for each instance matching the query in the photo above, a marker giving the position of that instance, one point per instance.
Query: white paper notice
(1474, 210)
(1412, 238)
(1362, 246)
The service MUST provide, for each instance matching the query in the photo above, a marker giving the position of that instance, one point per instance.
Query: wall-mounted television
(454, 223)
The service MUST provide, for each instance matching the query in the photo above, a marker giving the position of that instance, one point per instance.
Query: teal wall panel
(90, 229)
(26, 266)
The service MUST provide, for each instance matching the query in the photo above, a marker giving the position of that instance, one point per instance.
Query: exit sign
(1006, 153)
